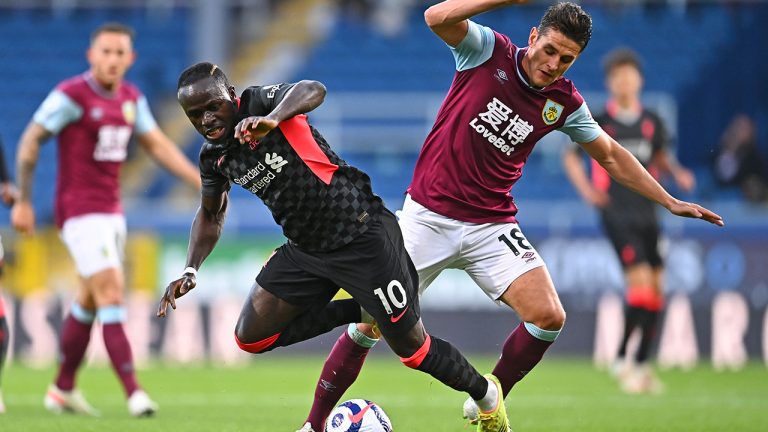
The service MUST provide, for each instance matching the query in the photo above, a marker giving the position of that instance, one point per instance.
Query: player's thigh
(432, 240)
(95, 241)
(378, 273)
(283, 290)
(533, 296)
(497, 255)
(106, 287)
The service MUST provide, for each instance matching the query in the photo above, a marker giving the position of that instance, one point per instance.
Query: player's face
(110, 56)
(624, 82)
(549, 55)
(211, 109)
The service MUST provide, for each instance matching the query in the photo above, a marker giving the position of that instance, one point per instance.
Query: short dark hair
(570, 20)
(622, 57)
(202, 70)
(113, 27)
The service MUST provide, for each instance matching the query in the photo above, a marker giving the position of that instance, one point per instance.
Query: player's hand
(685, 179)
(23, 217)
(253, 129)
(176, 289)
(597, 198)
(692, 210)
(8, 193)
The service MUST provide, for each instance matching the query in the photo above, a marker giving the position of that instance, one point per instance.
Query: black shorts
(374, 269)
(635, 244)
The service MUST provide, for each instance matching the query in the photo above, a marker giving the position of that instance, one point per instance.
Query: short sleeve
(145, 121)
(213, 182)
(57, 111)
(580, 126)
(476, 47)
(661, 139)
(261, 100)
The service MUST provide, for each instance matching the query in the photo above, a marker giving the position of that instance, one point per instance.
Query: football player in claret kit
(459, 212)
(94, 115)
(629, 219)
(339, 232)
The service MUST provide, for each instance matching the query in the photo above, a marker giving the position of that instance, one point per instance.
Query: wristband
(190, 270)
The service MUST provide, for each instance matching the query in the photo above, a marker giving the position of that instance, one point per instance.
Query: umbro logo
(501, 76)
(275, 161)
(327, 386)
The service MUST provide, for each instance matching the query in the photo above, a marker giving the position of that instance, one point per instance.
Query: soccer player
(8, 195)
(339, 232)
(94, 115)
(459, 213)
(629, 219)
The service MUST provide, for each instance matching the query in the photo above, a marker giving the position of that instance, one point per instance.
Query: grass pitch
(273, 394)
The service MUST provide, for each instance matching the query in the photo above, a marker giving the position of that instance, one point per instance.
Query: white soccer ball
(358, 415)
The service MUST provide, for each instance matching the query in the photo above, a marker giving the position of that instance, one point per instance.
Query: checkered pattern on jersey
(314, 216)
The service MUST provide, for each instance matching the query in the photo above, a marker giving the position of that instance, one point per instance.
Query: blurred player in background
(459, 213)
(629, 219)
(339, 232)
(8, 195)
(94, 115)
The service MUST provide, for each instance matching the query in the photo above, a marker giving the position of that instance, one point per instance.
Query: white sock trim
(538, 333)
(360, 338)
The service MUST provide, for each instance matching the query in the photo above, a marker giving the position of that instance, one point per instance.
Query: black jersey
(320, 201)
(643, 135)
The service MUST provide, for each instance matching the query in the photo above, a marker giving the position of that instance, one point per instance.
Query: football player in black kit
(630, 220)
(339, 232)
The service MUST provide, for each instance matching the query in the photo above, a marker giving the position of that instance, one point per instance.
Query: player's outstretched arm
(623, 167)
(167, 154)
(22, 213)
(303, 97)
(448, 19)
(206, 230)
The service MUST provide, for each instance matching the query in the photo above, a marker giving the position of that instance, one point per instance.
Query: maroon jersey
(486, 128)
(94, 127)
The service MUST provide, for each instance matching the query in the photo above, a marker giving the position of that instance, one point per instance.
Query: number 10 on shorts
(395, 292)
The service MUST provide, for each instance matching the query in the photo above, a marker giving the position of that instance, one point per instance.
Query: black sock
(319, 320)
(448, 365)
(648, 325)
(632, 318)
(5, 338)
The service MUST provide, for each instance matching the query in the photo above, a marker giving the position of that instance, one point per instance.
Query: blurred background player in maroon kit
(94, 114)
(459, 212)
(629, 219)
(8, 196)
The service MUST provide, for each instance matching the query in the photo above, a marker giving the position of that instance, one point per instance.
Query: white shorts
(95, 241)
(493, 254)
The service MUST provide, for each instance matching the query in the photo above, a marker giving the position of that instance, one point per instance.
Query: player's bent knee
(257, 347)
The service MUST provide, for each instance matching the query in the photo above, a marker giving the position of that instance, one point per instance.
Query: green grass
(274, 393)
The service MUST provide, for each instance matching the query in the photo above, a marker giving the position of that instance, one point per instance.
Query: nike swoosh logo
(359, 416)
(395, 319)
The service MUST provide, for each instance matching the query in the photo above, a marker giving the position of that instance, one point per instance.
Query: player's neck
(629, 104)
(103, 86)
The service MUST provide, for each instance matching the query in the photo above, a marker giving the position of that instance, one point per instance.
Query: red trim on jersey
(259, 346)
(600, 178)
(2, 307)
(415, 360)
(628, 255)
(299, 136)
(647, 128)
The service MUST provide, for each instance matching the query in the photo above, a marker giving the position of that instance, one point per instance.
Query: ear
(532, 37)
(232, 92)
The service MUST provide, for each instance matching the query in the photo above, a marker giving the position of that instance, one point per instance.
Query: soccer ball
(358, 415)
